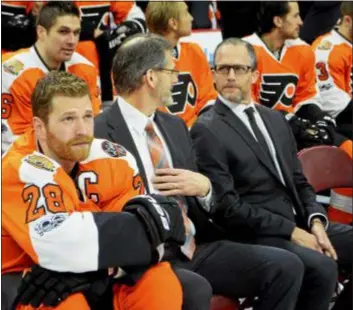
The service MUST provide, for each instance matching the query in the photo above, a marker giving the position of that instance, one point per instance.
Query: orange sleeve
(27, 201)
(121, 10)
(207, 92)
(306, 89)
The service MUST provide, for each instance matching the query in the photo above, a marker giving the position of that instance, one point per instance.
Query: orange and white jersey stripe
(334, 71)
(20, 73)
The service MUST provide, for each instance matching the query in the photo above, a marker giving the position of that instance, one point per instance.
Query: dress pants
(320, 273)
(241, 270)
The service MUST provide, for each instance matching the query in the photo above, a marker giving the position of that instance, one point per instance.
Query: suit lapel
(120, 133)
(280, 156)
(237, 124)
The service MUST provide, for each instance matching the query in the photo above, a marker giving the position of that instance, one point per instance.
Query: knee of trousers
(289, 266)
(326, 270)
(196, 290)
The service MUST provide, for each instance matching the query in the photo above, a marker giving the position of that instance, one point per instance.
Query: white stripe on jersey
(66, 243)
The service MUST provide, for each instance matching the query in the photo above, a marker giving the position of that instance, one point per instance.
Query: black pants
(241, 270)
(320, 274)
(197, 291)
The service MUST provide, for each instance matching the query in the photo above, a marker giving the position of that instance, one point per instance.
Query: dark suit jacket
(251, 200)
(111, 125)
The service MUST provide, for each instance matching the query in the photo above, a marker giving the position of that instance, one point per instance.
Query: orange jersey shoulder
(333, 54)
(109, 176)
(287, 80)
(195, 88)
(20, 74)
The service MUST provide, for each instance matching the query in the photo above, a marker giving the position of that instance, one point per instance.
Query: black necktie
(258, 134)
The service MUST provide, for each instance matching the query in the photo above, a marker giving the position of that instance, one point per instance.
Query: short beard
(65, 151)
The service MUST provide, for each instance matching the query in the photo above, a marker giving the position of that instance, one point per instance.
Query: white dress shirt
(136, 122)
(238, 110)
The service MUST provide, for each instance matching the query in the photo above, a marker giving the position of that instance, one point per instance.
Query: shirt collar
(133, 117)
(237, 108)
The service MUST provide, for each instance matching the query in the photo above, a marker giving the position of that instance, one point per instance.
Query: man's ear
(39, 128)
(254, 76)
(278, 21)
(172, 24)
(150, 79)
(41, 33)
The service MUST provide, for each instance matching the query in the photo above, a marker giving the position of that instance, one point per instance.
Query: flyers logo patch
(184, 93)
(278, 89)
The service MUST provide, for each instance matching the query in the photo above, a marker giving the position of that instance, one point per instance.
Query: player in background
(47, 215)
(58, 32)
(334, 73)
(194, 89)
(287, 80)
(105, 24)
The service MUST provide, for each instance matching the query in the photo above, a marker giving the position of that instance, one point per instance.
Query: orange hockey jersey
(334, 71)
(195, 89)
(42, 215)
(106, 13)
(20, 74)
(288, 80)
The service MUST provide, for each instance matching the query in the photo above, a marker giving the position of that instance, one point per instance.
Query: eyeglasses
(238, 69)
(173, 71)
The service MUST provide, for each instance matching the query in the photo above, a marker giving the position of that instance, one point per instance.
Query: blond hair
(158, 14)
(55, 83)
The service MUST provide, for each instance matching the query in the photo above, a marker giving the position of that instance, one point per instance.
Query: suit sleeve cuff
(321, 216)
(206, 202)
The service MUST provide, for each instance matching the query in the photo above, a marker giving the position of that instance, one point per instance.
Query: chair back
(327, 167)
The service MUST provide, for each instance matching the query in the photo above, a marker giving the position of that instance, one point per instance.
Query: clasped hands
(317, 240)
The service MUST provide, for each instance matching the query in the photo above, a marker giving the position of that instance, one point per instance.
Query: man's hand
(180, 182)
(303, 238)
(318, 230)
(49, 288)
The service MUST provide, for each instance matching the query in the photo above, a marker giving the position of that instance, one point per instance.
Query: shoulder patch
(113, 149)
(40, 162)
(13, 67)
(324, 45)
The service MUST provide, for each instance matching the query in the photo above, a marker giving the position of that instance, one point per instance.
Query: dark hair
(347, 8)
(53, 9)
(236, 42)
(52, 84)
(268, 10)
(134, 57)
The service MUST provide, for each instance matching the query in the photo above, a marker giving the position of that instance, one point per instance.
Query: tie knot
(149, 127)
(250, 112)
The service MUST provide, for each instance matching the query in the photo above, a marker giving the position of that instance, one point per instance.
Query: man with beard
(144, 72)
(249, 153)
(58, 31)
(49, 219)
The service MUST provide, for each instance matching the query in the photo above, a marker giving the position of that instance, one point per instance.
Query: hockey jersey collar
(255, 39)
(41, 60)
(341, 37)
